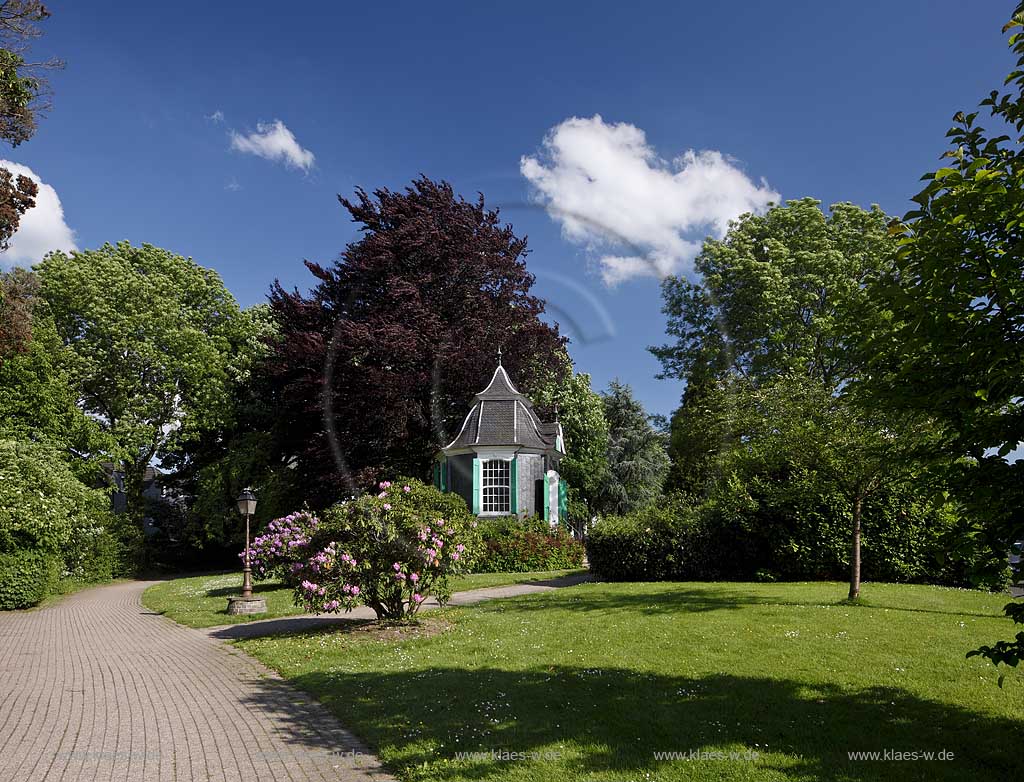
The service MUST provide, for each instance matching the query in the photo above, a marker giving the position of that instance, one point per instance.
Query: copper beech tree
(376, 363)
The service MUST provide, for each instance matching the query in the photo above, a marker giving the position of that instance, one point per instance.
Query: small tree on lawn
(388, 551)
(860, 451)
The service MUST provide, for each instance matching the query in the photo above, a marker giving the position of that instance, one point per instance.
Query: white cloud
(233, 185)
(610, 191)
(217, 116)
(42, 228)
(273, 141)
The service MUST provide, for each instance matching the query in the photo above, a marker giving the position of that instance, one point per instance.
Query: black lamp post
(247, 507)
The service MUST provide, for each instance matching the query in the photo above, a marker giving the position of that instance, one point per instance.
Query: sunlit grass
(201, 601)
(589, 682)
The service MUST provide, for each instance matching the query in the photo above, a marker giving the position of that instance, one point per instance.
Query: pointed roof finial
(499, 355)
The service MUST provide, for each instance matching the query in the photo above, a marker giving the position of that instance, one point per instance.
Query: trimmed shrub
(784, 530)
(26, 577)
(667, 541)
(512, 545)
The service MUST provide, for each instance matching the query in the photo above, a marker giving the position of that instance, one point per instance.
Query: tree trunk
(855, 549)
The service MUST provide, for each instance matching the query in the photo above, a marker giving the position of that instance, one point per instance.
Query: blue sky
(836, 101)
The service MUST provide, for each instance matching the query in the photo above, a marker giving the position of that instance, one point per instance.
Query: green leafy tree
(37, 402)
(156, 341)
(581, 412)
(23, 91)
(637, 461)
(953, 343)
(859, 450)
(781, 293)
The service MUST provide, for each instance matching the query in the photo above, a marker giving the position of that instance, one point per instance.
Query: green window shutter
(437, 480)
(443, 469)
(513, 490)
(476, 486)
(563, 501)
(547, 499)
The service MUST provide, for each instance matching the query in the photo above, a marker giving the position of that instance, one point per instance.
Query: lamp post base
(246, 605)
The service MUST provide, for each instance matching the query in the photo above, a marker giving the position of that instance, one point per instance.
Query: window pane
(496, 486)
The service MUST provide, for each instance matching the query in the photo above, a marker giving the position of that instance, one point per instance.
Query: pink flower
(387, 506)
(355, 590)
(417, 597)
(407, 489)
(460, 547)
(414, 577)
(396, 567)
(455, 555)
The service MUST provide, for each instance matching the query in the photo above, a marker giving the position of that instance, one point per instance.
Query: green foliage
(42, 501)
(26, 577)
(18, 92)
(781, 292)
(512, 545)
(637, 460)
(157, 342)
(581, 413)
(790, 526)
(951, 344)
(38, 403)
(666, 541)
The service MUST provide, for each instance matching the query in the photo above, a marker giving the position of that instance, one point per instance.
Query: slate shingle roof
(502, 416)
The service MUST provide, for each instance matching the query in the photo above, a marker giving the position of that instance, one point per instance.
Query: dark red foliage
(398, 335)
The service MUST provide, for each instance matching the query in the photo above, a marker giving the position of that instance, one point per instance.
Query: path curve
(96, 687)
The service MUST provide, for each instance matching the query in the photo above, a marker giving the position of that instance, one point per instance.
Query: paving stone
(96, 687)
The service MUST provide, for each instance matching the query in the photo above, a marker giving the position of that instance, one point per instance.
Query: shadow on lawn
(621, 718)
(237, 588)
(671, 598)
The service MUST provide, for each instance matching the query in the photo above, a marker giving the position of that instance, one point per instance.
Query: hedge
(512, 545)
(792, 532)
(26, 577)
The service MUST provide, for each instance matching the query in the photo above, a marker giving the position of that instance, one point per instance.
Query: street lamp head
(247, 502)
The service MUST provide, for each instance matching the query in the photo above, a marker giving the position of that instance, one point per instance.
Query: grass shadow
(612, 721)
(673, 597)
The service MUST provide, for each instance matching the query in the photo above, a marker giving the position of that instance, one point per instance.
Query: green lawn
(201, 601)
(591, 681)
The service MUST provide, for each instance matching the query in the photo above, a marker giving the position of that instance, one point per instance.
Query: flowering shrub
(389, 550)
(283, 544)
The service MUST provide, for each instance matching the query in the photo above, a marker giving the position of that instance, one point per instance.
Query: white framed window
(496, 486)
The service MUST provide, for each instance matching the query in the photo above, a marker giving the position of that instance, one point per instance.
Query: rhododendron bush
(389, 550)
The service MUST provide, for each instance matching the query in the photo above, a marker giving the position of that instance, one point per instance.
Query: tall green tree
(637, 461)
(156, 342)
(37, 401)
(581, 412)
(953, 343)
(781, 293)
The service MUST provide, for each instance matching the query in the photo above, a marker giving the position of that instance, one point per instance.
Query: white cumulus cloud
(273, 141)
(42, 228)
(642, 215)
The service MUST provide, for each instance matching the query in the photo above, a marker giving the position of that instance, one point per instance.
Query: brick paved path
(95, 687)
